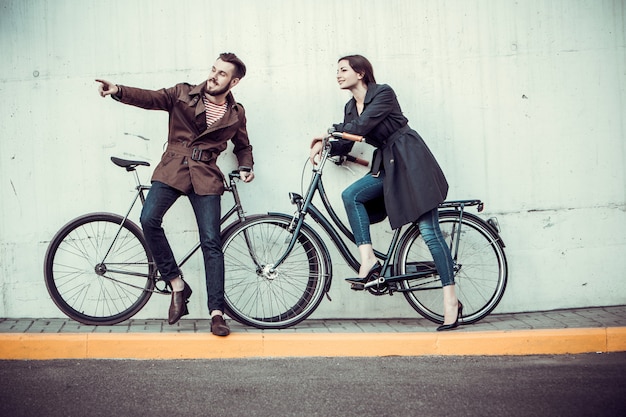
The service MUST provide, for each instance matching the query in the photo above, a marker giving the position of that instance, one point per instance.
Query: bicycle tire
(258, 296)
(89, 290)
(480, 269)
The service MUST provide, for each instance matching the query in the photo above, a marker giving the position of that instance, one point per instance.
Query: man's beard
(217, 92)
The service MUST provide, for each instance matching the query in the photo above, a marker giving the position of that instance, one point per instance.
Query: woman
(405, 176)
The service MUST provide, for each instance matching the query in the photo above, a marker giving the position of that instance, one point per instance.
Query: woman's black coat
(414, 183)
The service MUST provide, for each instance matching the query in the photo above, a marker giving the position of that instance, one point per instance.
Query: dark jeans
(207, 209)
(368, 188)
(354, 198)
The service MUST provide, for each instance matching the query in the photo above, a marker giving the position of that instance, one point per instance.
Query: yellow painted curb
(43, 346)
(277, 344)
(616, 339)
(525, 342)
(175, 346)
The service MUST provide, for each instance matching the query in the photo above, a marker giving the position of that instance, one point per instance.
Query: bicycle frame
(305, 206)
(140, 188)
(236, 208)
(422, 270)
(138, 195)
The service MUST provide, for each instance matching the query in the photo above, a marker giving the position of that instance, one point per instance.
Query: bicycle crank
(377, 286)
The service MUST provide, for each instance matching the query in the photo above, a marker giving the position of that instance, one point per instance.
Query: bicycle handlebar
(348, 136)
(357, 160)
(352, 137)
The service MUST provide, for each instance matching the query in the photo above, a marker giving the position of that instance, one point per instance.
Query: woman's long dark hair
(362, 66)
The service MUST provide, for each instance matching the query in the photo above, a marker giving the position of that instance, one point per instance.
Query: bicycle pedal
(357, 286)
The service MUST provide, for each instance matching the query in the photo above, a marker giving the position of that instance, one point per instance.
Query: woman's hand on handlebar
(317, 144)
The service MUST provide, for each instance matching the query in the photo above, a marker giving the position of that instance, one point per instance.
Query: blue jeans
(428, 224)
(354, 198)
(369, 188)
(207, 209)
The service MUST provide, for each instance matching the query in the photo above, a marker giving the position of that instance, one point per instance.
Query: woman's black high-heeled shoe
(456, 322)
(373, 273)
(178, 306)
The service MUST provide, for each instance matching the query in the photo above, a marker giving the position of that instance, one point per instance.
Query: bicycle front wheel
(98, 269)
(480, 268)
(265, 296)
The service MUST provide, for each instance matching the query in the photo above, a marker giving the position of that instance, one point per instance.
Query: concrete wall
(522, 102)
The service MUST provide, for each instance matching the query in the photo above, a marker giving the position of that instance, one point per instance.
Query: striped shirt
(214, 112)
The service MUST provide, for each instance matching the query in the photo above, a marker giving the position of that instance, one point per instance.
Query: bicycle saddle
(128, 164)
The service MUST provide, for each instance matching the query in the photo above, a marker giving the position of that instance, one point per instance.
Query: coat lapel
(196, 99)
(229, 119)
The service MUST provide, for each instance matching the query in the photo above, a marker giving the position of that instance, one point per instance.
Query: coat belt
(195, 154)
(377, 161)
(397, 133)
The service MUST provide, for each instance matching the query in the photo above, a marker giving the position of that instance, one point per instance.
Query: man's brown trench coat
(189, 162)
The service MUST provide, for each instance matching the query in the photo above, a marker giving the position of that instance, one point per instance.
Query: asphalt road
(564, 385)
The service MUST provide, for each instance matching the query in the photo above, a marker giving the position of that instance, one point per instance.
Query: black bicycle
(278, 268)
(98, 269)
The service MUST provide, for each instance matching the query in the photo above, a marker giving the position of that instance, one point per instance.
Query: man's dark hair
(240, 67)
(361, 65)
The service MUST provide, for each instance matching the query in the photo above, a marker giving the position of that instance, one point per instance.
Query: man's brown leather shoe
(219, 326)
(178, 305)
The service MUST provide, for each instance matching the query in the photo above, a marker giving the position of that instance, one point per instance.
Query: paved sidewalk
(558, 319)
(601, 329)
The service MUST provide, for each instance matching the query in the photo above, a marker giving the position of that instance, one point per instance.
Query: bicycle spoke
(481, 268)
(91, 289)
(264, 296)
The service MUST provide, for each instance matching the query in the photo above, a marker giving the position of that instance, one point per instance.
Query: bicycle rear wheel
(259, 295)
(480, 268)
(99, 271)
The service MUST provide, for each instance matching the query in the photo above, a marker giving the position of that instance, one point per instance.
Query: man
(202, 119)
